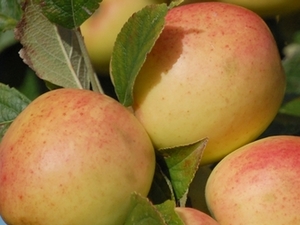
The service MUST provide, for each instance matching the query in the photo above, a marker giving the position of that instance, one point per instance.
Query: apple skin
(73, 157)
(191, 216)
(257, 184)
(214, 72)
(264, 8)
(101, 29)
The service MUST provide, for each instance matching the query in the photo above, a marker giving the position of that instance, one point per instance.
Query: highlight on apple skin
(215, 71)
(71, 157)
(257, 184)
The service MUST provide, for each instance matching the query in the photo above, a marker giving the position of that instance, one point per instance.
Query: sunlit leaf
(12, 104)
(143, 212)
(68, 13)
(135, 40)
(53, 52)
(10, 14)
(181, 164)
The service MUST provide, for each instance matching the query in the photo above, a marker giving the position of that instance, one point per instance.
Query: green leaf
(175, 3)
(143, 212)
(291, 108)
(167, 211)
(180, 165)
(161, 189)
(7, 39)
(132, 45)
(12, 104)
(30, 86)
(10, 14)
(68, 13)
(56, 54)
(291, 65)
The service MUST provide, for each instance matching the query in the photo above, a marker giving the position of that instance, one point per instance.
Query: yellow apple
(101, 29)
(257, 184)
(214, 72)
(73, 157)
(191, 216)
(265, 8)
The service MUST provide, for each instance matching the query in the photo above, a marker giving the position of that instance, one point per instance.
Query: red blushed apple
(257, 184)
(214, 72)
(73, 157)
(191, 216)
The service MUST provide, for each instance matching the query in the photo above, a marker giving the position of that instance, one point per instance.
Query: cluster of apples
(75, 156)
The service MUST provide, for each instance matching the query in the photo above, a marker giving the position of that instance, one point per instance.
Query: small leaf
(291, 108)
(10, 14)
(53, 52)
(180, 165)
(167, 209)
(12, 104)
(132, 45)
(143, 212)
(67, 13)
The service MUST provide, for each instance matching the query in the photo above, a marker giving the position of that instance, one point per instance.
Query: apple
(191, 216)
(101, 29)
(264, 8)
(214, 72)
(257, 184)
(73, 157)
